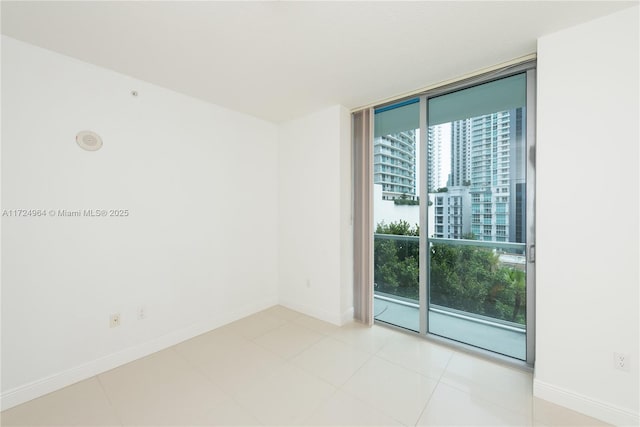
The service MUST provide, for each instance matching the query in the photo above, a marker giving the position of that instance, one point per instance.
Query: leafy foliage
(396, 261)
(400, 228)
(467, 278)
(407, 202)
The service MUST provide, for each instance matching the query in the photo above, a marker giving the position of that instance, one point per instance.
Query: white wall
(315, 231)
(198, 249)
(346, 217)
(387, 211)
(587, 264)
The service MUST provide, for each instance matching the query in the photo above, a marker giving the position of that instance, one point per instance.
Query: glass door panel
(396, 211)
(476, 215)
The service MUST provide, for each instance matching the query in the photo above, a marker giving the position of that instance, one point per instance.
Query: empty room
(338, 213)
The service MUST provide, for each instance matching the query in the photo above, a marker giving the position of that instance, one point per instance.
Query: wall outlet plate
(621, 361)
(114, 320)
(142, 312)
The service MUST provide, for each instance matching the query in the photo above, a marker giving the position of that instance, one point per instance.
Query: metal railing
(509, 254)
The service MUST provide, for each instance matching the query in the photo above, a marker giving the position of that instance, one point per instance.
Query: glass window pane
(500, 95)
(396, 215)
(476, 182)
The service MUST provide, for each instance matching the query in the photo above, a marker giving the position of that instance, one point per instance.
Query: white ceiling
(280, 60)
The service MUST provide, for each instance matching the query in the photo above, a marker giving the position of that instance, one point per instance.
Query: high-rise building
(487, 156)
(438, 174)
(460, 152)
(518, 178)
(394, 165)
(451, 213)
(483, 170)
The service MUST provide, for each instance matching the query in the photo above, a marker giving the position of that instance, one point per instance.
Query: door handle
(532, 253)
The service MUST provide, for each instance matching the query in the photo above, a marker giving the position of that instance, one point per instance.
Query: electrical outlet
(621, 361)
(142, 312)
(114, 320)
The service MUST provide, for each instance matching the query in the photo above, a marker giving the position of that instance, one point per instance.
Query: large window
(453, 212)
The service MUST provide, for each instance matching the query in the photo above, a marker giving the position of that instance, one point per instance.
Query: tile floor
(279, 367)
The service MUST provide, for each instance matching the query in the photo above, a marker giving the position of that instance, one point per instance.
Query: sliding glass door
(453, 213)
(396, 212)
(477, 256)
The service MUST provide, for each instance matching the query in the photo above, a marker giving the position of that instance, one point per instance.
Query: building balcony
(503, 339)
(483, 309)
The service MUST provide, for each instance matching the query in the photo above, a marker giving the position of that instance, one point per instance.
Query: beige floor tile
(398, 392)
(418, 354)
(255, 325)
(550, 414)
(80, 404)
(230, 363)
(283, 313)
(316, 325)
(162, 389)
(288, 340)
(369, 339)
(285, 397)
(228, 412)
(213, 345)
(343, 409)
(452, 407)
(279, 367)
(331, 360)
(509, 387)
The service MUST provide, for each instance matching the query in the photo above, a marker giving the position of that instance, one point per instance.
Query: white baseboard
(347, 316)
(585, 405)
(24, 393)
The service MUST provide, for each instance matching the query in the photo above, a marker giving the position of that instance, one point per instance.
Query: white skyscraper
(394, 165)
(484, 157)
(438, 154)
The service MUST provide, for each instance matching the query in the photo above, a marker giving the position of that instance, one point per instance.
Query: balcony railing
(483, 280)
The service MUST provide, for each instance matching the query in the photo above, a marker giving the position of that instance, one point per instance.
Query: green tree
(472, 279)
(400, 228)
(463, 277)
(396, 261)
